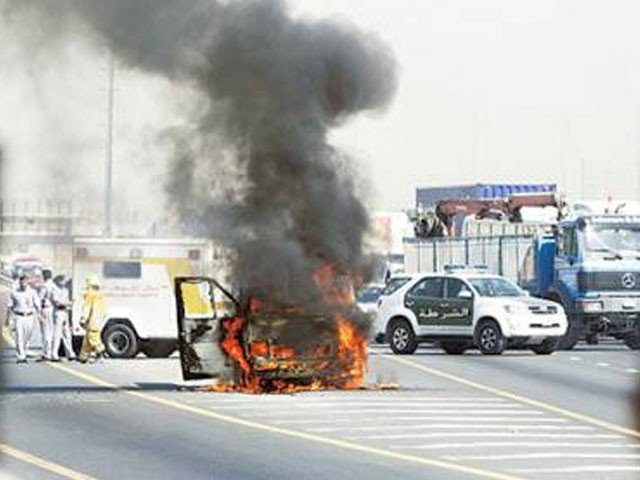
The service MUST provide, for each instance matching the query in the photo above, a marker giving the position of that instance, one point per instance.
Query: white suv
(466, 309)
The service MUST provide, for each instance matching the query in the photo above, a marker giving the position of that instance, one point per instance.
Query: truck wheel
(120, 341)
(632, 341)
(489, 338)
(547, 347)
(454, 348)
(569, 339)
(402, 339)
(158, 349)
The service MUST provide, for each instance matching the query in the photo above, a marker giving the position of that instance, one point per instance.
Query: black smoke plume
(254, 170)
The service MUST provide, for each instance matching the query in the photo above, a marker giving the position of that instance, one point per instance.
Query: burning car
(256, 347)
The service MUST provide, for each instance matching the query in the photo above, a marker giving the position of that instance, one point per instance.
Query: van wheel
(158, 349)
(547, 347)
(120, 341)
(402, 339)
(454, 348)
(489, 338)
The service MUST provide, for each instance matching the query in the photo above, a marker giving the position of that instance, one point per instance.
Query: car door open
(201, 306)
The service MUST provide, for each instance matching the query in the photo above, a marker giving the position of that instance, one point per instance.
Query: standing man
(62, 320)
(22, 304)
(92, 318)
(46, 319)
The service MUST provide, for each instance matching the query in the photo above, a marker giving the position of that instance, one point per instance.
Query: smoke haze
(253, 168)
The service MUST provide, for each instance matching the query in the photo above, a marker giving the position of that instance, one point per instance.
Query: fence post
(466, 250)
(500, 257)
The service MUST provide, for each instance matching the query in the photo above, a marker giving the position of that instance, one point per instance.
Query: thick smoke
(255, 170)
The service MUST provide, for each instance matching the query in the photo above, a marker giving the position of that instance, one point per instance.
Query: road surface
(519, 415)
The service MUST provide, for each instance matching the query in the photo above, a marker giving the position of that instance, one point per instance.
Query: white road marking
(546, 455)
(603, 364)
(575, 359)
(462, 406)
(581, 469)
(516, 444)
(632, 370)
(388, 397)
(380, 412)
(486, 435)
(452, 426)
(331, 421)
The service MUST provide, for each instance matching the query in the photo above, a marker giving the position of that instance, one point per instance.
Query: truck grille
(609, 281)
(543, 310)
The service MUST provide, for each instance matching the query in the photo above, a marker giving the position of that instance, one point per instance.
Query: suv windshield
(369, 294)
(495, 287)
(613, 239)
(394, 284)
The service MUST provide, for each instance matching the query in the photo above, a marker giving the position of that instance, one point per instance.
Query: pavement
(515, 416)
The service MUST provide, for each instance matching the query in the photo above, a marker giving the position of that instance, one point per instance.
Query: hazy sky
(489, 91)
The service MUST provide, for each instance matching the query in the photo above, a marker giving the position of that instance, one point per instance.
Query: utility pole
(108, 178)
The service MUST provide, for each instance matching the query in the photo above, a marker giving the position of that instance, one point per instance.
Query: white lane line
(452, 426)
(461, 406)
(575, 359)
(486, 435)
(546, 455)
(632, 370)
(603, 364)
(581, 469)
(517, 444)
(377, 420)
(302, 397)
(380, 413)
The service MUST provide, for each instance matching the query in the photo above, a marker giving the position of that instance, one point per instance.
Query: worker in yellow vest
(92, 319)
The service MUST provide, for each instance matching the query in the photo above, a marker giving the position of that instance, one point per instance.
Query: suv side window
(429, 288)
(455, 286)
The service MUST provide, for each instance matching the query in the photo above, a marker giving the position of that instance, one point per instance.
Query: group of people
(48, 307)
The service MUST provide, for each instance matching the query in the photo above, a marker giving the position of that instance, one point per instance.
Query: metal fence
(507, 255)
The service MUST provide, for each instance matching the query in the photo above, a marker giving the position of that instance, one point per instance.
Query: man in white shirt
(22, 304)
(62, 320)
(46, 319)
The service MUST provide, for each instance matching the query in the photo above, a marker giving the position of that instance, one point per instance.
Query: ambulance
(137, 277)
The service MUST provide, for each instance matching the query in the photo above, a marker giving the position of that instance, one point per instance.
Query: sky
(489, 91)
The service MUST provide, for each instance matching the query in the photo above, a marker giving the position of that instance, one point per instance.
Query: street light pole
(108, 191)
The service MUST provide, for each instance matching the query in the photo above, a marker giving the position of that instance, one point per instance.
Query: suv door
(201, 306)
(425, 299)
(457, 307)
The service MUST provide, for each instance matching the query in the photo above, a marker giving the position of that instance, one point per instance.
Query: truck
(589, 263)
(137, 277)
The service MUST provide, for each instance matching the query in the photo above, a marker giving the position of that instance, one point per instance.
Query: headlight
(514, 308)
(590, 306)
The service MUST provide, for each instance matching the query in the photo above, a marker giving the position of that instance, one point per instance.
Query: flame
(342, 365)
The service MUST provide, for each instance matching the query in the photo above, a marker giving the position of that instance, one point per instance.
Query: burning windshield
(613, 239)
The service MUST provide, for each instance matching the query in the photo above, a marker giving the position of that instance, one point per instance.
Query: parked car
(466, 308)
(367, 298)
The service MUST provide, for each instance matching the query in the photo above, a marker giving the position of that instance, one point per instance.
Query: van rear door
(201, 305)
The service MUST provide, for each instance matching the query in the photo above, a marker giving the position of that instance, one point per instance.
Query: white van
(136, 277)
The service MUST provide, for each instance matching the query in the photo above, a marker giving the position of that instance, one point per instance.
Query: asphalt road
(515, 416)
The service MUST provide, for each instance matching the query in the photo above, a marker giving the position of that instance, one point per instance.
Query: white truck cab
(462, 308)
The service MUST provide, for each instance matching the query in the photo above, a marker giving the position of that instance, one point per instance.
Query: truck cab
(596, 276)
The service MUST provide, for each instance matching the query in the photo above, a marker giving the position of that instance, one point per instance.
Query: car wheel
(158, 349)
(571, 337)
(402, 339)
(490, 339)
(547, 347)
(454, 348)
(120, 341)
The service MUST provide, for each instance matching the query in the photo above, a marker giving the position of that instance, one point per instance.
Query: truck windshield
(495, 287)
(616, 240)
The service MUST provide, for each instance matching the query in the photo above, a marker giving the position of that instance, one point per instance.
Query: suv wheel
(402, 339)
(489, 338)
(547, 347)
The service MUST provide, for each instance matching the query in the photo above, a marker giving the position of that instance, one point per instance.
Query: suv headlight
(514, 308)
(591, 306)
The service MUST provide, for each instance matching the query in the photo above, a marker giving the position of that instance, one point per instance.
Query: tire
(454, 348)
(632, 341)
(570, 339)
(547, 347)
(489, 338)
(154, 349)
(120, 340)
(402, 338)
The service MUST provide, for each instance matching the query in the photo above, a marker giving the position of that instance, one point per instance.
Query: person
(23, 304)
(91, 321)
(46, 317)
(61, 320)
